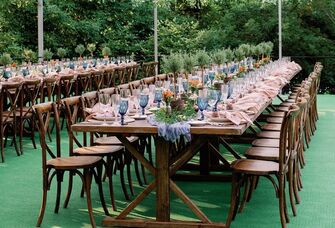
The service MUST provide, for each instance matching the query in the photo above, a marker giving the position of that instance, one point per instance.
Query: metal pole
(40, 29)
(156, 33)
(280, 41)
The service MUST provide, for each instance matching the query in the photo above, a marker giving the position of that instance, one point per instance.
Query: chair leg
(59, 189)
(130, 182)
(137, 172)
(69, 191)
(247, 188)
(2, 148)
(233, 199)
(99, 183)
(282, 203)
(42, 210)
(32, 136)
(109, 172)
(291, 189)
(87, 185)
(144, 175)
(123, 185)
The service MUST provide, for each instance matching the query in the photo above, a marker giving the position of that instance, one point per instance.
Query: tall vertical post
(40, 29)
(156, 34)
(280, 41)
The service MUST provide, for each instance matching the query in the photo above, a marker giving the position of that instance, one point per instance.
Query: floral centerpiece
(241, 71)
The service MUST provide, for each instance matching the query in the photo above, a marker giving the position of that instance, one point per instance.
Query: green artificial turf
(20, 190)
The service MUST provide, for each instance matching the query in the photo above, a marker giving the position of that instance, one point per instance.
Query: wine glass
(158, 97)
(202, 103)
(104, 100)
(213, 98)
(115, 104)
(143, 101)
(224, 92)
(123, 107)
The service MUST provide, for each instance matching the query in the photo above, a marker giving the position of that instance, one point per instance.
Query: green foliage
(173, 63)
(91, 48)
(184, 26)
(203, 58)
(219, 57)
(29, 55)
(186, 114)
(5, 59)
(47, 54)
(106, 51)
(80, 49)
(189, 63)
(239, 53)
(61, 52)
(229, 54)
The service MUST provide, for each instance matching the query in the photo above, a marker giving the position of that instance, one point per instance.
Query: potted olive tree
(80, 49)
(189, 63)
(61, 52)
(203, 60)
(91, 48)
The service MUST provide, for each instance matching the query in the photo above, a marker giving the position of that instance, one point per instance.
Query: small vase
(168, 109)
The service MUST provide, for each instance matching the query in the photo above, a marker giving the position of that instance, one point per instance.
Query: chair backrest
(109, 76)
(48, 89)
(10, 94)
(97, 79)
(287, 138)
(73, 115)
(83, 83)
(43, 112)
(119, 75)
(300, 122)
(30, 93)
(132, 72)
(149, 69)
(149, 80)
(109, 91)
(64, 87)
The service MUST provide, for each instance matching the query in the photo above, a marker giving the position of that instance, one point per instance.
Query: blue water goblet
(123, 107)
(158, 97)
(211, 76)
(144, 99)
(202, 105)
(185, 86)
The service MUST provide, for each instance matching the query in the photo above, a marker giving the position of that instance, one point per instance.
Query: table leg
(162, 180)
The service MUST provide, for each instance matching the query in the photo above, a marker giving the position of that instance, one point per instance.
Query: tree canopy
(126, 27)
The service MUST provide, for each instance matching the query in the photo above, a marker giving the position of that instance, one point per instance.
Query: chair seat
(263, 153)
(271, 127)
(112, 140)
(255, 167)
(277, 114)
(269, 134)
(266, 143)
(286, 103)
(97, 150)
(75, 162)
(277, 120)
(282, 108)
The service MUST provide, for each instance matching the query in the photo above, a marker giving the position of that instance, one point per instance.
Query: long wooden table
(166, 165)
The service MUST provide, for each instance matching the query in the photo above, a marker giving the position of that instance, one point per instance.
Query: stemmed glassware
(104, 100)
(202, 103)
(143, 101)
(115, 104)
(158, 97)
(124, 103)
(213, 98)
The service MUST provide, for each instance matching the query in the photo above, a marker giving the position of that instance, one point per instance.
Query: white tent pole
(40, 29)
(156, 33)
(280, 41)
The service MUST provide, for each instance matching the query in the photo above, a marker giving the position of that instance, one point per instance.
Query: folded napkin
(172, 132)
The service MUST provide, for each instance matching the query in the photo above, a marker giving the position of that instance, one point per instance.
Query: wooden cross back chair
(149, 69)
(119, 76)
(132, 72)
(48, 90)
(112, 153)
(108, 78)
(88, 100)
(31, 90)
(245, 168)
(10, 93)
(83, 83)
(97, 79)
(83, 166)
